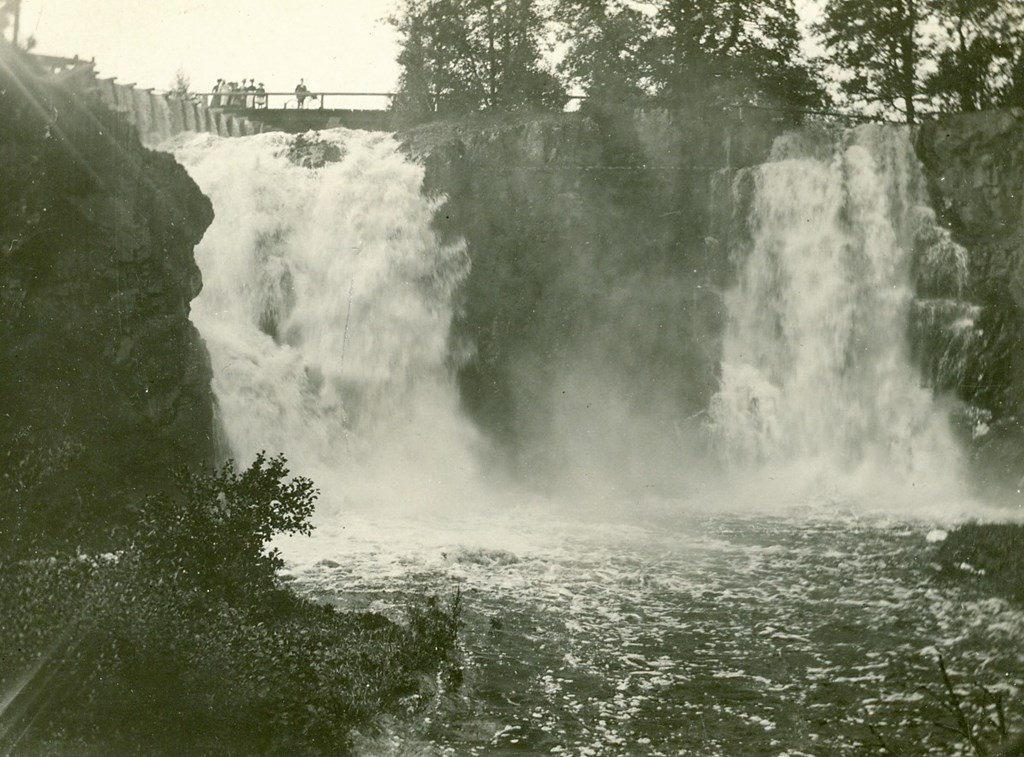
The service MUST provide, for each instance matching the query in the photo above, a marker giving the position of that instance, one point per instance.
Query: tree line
(896, 59)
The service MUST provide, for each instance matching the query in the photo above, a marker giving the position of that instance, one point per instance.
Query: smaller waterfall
(142, 108)
(815, 365)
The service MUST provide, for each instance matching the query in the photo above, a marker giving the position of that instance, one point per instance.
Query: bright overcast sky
(336, 45)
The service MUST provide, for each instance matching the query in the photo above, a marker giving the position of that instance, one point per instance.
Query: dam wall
(159, 116)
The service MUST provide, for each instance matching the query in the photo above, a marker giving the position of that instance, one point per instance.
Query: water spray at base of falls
(326, 307)
(816, 384)
(328, 301)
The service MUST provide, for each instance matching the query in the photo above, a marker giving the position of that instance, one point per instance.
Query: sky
(336, 45)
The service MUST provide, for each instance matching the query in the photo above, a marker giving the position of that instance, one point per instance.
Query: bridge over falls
(159, 115)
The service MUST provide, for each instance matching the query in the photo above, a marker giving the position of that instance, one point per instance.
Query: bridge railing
(245, 100)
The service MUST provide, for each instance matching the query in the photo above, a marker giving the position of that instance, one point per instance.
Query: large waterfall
(328, 301)
(815, 372)
(326, 306)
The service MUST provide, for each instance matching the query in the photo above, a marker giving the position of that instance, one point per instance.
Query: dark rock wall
(591, 319)
(598, 254)
(975, 167)
(96, 276)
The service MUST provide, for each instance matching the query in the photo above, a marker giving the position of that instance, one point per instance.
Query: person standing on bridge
(261, 97)
(301, 92)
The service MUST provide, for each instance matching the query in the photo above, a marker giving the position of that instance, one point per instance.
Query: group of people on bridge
(250, 95)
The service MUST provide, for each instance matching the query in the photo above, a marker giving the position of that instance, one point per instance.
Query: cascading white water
(326, 307)
(815, 367)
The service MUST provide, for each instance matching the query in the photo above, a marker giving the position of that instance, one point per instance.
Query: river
(784, 601)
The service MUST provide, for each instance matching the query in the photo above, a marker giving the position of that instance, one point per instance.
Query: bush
(179, 675)
(40, 600)
(33, 469)
(214, 536)
(197, 647)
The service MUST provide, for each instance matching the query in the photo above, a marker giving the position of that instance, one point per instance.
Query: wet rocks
(975, 167)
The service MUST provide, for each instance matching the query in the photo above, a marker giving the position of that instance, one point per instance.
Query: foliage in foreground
(213, 537)
(976, 715)
(194, 646)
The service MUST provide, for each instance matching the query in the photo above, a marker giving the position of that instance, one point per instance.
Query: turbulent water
(670, 634)
(789, 609)
(326, 307)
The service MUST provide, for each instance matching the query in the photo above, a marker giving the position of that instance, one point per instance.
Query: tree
(8, 15)
(214, 535)
(1012, 94)
(982, 59)
(181, 86)
(464, 55)
(743, 48)
(605, 41)
(904, 55)
(879, 44)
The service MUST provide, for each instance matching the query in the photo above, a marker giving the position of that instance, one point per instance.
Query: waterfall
(326, 307)
(815, 365)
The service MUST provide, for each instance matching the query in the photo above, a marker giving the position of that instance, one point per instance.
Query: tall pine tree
(879, 49)
(459, 56)
(605, 42)
(744, 48)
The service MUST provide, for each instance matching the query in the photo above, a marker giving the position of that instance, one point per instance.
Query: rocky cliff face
(598, 257)
(975, 165)
(97, 354)
(591, 318)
